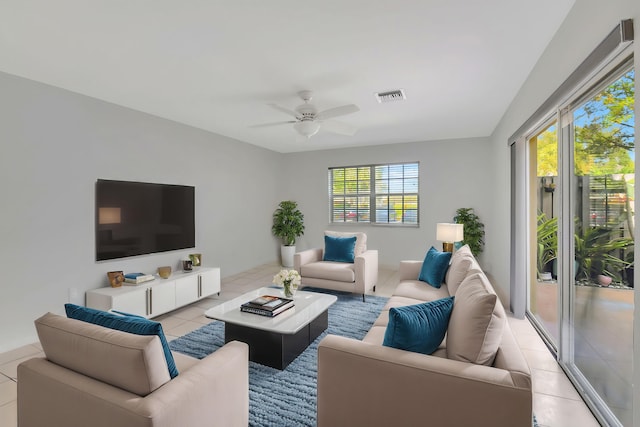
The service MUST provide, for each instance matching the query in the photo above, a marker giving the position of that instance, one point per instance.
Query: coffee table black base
(274, 349)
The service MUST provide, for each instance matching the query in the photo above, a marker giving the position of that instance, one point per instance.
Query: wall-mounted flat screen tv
(137, 218)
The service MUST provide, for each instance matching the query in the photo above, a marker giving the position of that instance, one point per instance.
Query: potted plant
(288, 224)
(547, 232)
(595, 250)
(473, 230)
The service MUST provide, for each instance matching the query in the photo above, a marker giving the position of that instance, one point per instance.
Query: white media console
(159, 296)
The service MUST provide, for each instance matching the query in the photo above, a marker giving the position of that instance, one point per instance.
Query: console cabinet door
(186, 290)
(134, 301)
(209, 282)
(163, 297)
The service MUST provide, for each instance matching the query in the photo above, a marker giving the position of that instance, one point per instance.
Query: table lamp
(448, 234)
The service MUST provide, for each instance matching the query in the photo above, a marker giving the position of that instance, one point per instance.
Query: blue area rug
(288, 398)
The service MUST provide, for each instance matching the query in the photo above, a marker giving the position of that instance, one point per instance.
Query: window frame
(372, 194)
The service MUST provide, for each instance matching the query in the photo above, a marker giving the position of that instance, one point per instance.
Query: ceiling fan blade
(337, 111)
(339, 127)
(284, 110)
(264, 125)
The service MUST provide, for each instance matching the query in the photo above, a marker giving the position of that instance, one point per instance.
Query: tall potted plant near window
(288, 224)
(473, 230)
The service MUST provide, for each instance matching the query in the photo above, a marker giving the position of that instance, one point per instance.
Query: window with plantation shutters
(375, 194)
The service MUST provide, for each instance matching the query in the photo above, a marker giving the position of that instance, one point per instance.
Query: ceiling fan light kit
(307, 128)
(308, 121)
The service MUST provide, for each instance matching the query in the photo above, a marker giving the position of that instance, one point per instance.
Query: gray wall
(55, 145)
(453, 174)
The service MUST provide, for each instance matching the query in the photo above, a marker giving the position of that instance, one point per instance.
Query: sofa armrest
(215, 391)
(409, 270)
(306, 257)
(366, 270)
(412, 388)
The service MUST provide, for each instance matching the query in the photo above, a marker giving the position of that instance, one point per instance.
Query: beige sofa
(358, 277)
(100, 377)
(478, 375)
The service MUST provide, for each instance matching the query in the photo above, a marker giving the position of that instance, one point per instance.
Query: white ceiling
(216, 64)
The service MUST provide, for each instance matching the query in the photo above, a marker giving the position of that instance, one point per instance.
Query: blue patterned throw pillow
(126, 323)
(434, 267)
(419, 328)
(339, 249)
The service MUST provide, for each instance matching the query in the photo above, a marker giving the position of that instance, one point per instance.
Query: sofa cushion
(417, 290)
(339, 249)
(477, 322)
(361, 239)
(462, 265)
(134, 363)
(126, 323)
(434, 267)
(419, 328)
(338, 271)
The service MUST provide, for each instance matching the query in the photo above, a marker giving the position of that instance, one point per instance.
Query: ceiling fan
(308, 120)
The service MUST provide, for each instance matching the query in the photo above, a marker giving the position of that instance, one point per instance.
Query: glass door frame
(531, 184)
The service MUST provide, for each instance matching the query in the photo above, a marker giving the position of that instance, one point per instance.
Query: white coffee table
(275, 341)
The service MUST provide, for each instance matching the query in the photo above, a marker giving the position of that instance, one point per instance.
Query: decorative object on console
(137, 278)
(448, 234)
(196, 259)
(187, 265)
(289, 280)
(164, 272)
(115, 278)
(288, 224)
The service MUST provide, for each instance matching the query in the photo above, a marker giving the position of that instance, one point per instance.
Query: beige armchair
(359, 277)
(100, 377)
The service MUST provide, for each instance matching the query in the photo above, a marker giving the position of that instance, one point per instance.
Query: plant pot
(604, 280)
(286, 253)
(545, 277)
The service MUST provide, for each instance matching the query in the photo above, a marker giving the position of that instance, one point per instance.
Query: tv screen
(137, 218)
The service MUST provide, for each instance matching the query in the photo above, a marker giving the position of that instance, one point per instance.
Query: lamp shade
(449, 232)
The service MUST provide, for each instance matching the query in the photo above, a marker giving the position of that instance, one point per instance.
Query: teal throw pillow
(127, 323)
(434, 267)
(419, 328)
(339, 249)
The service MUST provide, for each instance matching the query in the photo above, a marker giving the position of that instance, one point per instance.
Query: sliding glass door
(602, 208)
(580, 216)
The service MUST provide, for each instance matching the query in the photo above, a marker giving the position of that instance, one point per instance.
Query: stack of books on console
(137, 278)
(267, 305)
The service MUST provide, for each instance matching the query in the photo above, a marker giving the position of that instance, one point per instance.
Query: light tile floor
(556, 402)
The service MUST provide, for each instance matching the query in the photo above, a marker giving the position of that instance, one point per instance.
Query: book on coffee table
(267, 305)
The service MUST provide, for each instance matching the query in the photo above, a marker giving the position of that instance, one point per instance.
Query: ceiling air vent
(390, 96)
